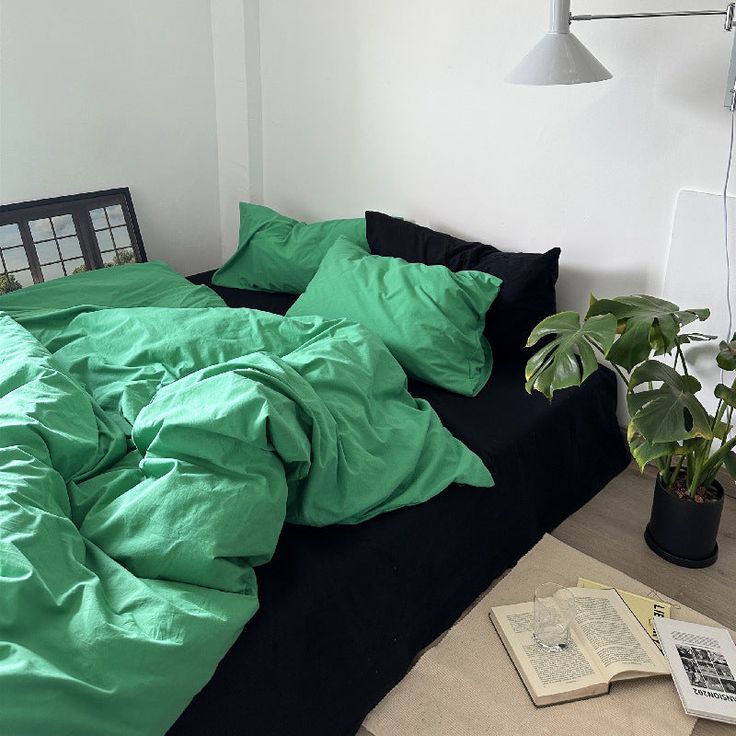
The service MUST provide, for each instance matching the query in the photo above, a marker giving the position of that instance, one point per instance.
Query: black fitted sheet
(345, 609)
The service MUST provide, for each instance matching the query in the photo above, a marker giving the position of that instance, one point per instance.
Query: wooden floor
(610, 528)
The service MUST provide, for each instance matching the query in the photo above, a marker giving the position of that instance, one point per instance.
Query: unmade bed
(345, 610)
(232, 522)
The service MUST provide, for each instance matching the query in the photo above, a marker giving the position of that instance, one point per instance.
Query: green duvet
(149, 457)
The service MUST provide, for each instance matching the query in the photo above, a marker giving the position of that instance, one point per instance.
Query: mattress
(346, 609)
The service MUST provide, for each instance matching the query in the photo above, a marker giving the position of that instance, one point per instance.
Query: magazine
(607, 643)
(703, 662)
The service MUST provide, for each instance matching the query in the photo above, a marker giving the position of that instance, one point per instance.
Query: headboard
(46, 239)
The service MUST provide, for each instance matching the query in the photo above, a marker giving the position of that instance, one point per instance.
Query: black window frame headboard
(82, 208)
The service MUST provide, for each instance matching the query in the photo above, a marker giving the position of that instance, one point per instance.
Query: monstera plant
(642, 337)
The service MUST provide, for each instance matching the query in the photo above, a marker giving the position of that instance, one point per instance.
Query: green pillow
(430, 318)
(277, 253)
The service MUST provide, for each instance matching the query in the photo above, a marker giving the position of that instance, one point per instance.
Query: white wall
(236, 48)
(324, 109)
(101, 94)
(401, 106)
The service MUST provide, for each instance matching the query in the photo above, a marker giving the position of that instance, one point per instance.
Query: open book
(607, 643)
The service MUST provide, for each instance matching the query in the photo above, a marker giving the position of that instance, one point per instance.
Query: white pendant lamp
(559, 58)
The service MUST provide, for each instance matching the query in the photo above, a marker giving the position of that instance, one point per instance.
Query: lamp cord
(725, 225)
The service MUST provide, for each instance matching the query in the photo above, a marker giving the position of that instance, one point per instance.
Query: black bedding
(345, 609)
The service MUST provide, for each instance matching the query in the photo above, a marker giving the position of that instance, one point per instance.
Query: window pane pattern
(57, 246)
(15, 270)
(112, 235)
(49, 239)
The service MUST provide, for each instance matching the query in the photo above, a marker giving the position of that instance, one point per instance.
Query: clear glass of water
(554, 612)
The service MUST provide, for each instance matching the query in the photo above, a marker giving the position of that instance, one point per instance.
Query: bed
(156, 436)
(345, 610)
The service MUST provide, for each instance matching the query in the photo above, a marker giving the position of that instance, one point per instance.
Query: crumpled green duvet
(148, 460)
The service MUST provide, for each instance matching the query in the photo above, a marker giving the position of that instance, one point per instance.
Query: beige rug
(466, 685)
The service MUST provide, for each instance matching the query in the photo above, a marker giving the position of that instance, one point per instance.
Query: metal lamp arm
(728, 12)
(561, 58)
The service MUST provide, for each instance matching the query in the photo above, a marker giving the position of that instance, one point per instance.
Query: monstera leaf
(726, 394)
(726, 357)
(645, 324)
(670, 412)
(645, 452)
(689, 337)
(557, 365)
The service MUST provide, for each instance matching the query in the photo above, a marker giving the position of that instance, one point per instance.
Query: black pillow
(528, 292)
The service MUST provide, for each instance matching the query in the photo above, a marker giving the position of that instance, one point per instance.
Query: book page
(615, 636)
(646, 609)
(547, 675)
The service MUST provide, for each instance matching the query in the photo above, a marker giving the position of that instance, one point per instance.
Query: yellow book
(645, 609)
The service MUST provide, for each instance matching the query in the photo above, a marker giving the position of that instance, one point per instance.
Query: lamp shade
(559, 58)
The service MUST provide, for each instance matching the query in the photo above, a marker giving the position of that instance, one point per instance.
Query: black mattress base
(345, 609)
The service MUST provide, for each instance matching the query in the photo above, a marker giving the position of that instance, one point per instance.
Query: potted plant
(642, 338)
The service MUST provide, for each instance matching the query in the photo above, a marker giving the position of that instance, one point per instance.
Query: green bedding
(46, 308)
(149, 457)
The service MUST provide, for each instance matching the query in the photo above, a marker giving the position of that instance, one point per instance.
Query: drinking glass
(554, 612)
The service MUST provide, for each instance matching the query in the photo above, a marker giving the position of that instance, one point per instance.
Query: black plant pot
(684, 532)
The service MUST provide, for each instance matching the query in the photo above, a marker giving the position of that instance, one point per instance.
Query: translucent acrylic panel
(70, 247)
(76, 265)
(104, 240)
(15, 258)
(47, 252)
(115, 215)
(125, 256)
(53, 271)
(24, 278)
(64, 225)
(121, 236)
(41, 229)
(98, 218)
(9, 235)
